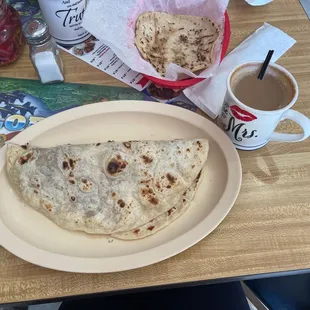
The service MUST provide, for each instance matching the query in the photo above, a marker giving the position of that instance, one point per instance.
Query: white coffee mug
(249, 128)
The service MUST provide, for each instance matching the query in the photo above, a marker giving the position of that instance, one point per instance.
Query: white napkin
(209, 94)
(258, 2)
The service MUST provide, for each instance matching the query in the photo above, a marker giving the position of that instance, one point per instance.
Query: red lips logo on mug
(242, 115)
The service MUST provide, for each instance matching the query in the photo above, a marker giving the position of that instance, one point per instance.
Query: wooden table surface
(268, 229)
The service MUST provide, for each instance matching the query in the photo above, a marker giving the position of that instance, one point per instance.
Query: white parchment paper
(113, 22)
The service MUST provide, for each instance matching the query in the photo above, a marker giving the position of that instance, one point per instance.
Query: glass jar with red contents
(11, 36)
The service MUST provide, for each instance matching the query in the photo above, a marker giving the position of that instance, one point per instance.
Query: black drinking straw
(265, 65)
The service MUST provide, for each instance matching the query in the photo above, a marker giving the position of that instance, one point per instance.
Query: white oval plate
(34, 238)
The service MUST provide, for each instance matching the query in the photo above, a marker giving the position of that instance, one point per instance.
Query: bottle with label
(64, 18)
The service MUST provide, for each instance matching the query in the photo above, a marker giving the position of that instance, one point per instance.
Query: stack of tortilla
(185, 40)
(128, 190)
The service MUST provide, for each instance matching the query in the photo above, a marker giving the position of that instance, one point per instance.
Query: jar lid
(36, 31)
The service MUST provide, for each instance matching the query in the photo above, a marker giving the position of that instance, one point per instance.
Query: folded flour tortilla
(185, 40)
(164, 219)
(107, 188)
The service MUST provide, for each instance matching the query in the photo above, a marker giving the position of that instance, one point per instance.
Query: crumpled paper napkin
(209, 94)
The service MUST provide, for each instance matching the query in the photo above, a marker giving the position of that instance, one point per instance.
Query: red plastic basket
(182, 84)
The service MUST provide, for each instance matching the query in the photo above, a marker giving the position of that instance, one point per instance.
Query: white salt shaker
(43, 51)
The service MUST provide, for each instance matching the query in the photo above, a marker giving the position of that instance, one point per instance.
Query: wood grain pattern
(267, 230)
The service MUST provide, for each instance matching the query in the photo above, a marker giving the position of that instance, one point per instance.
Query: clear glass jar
(43, 52)
(11, 36)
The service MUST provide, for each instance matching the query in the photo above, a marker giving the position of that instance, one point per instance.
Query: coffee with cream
(274, 92)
